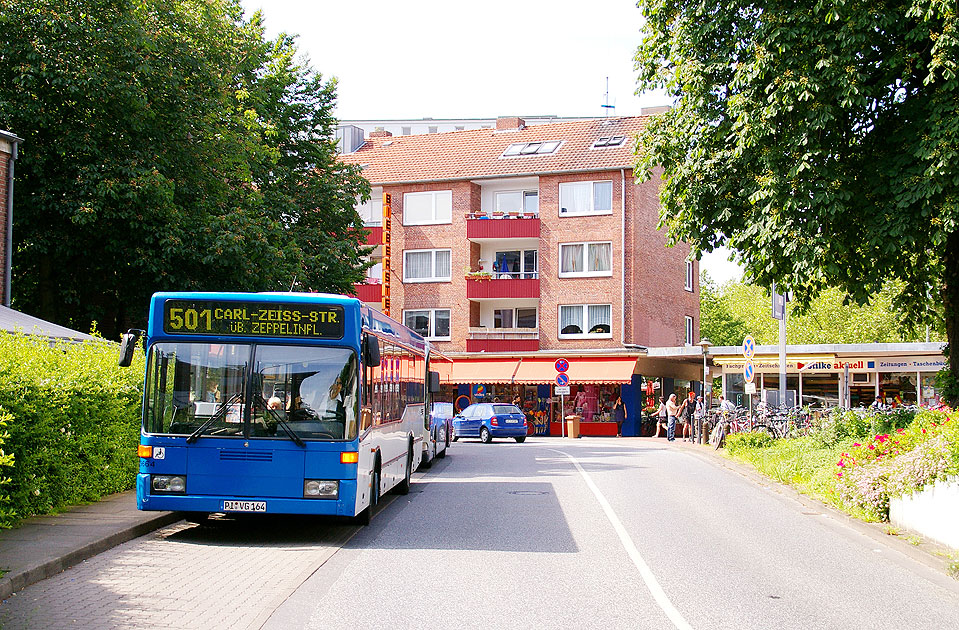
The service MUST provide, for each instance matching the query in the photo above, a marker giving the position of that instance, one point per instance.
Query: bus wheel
(364, 517)
(403, 487)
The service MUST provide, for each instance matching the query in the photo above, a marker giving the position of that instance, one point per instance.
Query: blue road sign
(562, 379)
(749, 371)
(749, 347)
(561, 365)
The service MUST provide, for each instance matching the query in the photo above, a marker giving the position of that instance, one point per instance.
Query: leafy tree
(735, 309)
(168, 146)
(818, 140)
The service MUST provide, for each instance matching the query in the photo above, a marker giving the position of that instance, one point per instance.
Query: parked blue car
(489, 420)
(441, 432)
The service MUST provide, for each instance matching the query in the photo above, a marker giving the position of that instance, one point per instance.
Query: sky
(442, 59)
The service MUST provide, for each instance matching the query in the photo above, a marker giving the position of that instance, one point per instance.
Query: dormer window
(531, 148)
(609, 141)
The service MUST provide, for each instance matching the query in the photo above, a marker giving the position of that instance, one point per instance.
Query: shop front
(847, 375)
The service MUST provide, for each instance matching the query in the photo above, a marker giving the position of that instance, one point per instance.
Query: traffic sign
(749, 347)
(561, 365)
(562, 379)
(562, 391)
(749, 371)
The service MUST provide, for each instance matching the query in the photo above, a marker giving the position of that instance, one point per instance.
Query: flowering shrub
(898, 462)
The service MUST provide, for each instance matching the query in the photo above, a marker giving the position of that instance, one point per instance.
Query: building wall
(654, 296)
(659, 299)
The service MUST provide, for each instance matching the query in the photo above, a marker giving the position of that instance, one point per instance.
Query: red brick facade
(645, 290)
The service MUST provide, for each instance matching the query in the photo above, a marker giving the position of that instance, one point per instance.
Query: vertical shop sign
(387, 253)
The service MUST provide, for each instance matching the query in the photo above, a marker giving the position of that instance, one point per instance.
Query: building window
(371, 210)
(526, 202)
(431, 323)
(517, 264)
(585, 198)
(514, 318)
(580, 321)
(425, 208)
(531, 148)
(433, 129)
(689, 275)
(612, 141)
(585, 259)
(407, 130)
(689, 330)
(426, 265)
(459, 128)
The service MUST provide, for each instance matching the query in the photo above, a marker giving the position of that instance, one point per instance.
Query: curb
(19, 579)
(873, 531)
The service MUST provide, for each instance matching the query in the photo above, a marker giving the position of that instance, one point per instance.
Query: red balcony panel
(369, 292)
(375, 235)
(502, 228)
(502, 288)
(502, 345)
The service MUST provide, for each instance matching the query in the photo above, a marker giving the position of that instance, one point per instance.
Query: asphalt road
(591, 533)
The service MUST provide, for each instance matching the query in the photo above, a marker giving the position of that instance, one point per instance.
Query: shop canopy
(532, 371)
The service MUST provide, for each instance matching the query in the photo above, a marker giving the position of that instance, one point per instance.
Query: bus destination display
(253, 319)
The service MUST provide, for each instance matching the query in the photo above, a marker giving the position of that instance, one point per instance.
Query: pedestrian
(619, 415)
(726, 405)
(661, 416)
(672, 412)
(686, 416)
(698, 416)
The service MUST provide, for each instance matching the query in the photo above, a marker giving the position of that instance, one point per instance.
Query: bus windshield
(251, 391)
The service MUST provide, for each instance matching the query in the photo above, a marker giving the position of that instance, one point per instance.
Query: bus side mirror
(128, 344)
(434, 382)
(371, 351)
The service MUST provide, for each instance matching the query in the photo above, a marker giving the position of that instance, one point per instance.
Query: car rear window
(506, 409)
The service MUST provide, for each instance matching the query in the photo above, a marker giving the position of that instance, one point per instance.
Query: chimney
(510, 123)
(379, 133)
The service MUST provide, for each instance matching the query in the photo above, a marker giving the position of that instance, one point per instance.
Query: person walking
(661, 416)
(672, 412)
(619, 415)
(698, 416)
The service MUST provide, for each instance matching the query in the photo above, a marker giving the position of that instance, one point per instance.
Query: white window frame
(689, 275)
(432, 317)
(515, 310)
(689, 330)
(592, 198)
(585, 335)
(585, 273)
(433, 277)
(436, 218)
(524, 273)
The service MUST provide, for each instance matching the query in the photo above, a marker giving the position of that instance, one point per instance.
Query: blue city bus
(278, 403)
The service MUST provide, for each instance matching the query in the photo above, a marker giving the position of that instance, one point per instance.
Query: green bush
(739, 441)
(72, 423)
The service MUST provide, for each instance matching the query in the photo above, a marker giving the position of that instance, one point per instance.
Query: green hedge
(72, 424)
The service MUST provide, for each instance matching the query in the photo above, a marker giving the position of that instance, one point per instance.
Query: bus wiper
(280, 422)
(219, 413)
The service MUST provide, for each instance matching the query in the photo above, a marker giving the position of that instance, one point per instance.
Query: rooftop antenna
(607, 106)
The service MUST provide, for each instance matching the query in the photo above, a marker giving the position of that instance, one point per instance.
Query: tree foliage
(735, 309)
(168, 146)
(819, 140)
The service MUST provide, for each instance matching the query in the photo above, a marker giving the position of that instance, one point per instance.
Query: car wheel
(485, 436)
(520, 439)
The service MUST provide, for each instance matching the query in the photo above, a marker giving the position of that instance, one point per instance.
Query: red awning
(531, 371)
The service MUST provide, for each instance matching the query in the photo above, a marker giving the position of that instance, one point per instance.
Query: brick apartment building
(8, 156)
(514, 246)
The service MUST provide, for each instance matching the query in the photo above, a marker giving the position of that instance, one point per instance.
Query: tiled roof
(477, 153)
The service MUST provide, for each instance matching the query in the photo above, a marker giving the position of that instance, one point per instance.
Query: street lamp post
(704, 343)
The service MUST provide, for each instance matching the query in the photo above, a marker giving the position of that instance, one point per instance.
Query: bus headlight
(320, 489)
(168, 484)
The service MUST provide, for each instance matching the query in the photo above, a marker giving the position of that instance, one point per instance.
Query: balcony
(502, 286)
(513, 225)
(369, 292)
(502, 340)
(375, 235)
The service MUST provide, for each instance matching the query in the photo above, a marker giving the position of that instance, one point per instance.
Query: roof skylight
(532, 148)
(609, 141)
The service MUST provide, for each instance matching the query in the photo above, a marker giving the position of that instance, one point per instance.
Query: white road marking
(651, 583)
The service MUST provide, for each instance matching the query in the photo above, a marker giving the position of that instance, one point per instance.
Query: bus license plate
(244, 506)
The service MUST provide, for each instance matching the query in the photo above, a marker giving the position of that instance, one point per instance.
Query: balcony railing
(502, 285)
(499, 225)
(502, 340)
(369, 291)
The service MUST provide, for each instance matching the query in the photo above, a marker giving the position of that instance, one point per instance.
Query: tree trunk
(950, 308)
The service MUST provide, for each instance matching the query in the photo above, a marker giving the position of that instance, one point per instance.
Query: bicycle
(728, 422)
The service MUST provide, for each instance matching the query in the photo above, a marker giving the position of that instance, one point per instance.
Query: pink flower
(900, 430)
(923, 430)
(872, 447)
(839, 474)
(856, 444)
(841, 464)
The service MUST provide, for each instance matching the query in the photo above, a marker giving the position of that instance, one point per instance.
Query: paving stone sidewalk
(44, 546)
